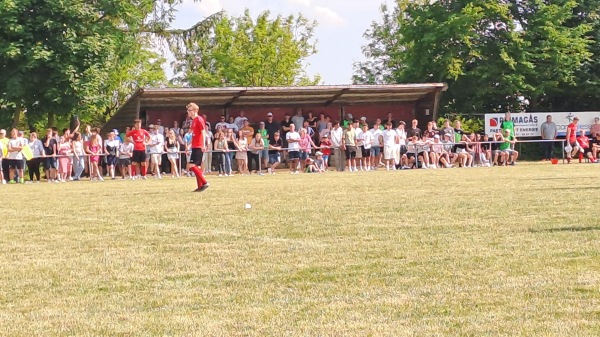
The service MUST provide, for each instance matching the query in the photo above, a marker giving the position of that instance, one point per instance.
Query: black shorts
(18, 164)
(124, 162)
(350, 152)
(111, 160)
(138, 156)
(50, 163)
(410, 155)
(294, 155)
(366, 153)
(196, 156)
(403, 149)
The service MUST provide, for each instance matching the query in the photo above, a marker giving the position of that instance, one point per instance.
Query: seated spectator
(320, 162)
(586, 150)
(508, 155)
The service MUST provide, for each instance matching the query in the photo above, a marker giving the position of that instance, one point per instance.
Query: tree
(489, 52)
(246, 52)
(65, 56)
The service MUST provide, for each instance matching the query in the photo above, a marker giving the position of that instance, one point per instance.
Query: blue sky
(342, 24)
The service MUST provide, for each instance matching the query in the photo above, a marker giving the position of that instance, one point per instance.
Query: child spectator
(326, 150)
(125, 153)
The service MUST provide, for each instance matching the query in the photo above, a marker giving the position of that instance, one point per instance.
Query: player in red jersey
(197, 128)
(140, 137)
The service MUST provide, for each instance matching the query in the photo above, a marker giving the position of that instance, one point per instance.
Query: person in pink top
(94, 149)
(305, 147)
(64, 159)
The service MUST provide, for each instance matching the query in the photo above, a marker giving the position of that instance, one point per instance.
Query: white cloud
(328, 16)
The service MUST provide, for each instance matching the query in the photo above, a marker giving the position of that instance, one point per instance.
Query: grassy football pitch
(463, 252)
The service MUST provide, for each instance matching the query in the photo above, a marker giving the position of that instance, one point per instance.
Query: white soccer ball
(248, 206)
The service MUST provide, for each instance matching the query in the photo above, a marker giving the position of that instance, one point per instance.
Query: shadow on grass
(560, 178)
(572, 188)
(566, 229)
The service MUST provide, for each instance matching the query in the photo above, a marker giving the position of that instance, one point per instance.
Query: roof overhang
(281, 96)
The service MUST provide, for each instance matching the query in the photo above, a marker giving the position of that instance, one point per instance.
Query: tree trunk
(51, 120)
(17, 117)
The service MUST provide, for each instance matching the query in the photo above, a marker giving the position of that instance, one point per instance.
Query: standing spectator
(50, 164)
(275, 146)
(221, 150)
(247, 131)
(376, 145)
(367, 139)
(64, 159)
(571, 139)
(256, 147)
(1, 162)
(4, 141)
(390, 139)
(326, 148)
(205, 117)
(507, 123)
(264, 155)
(222, 124)
(242, 153)
(172, 149)
(430, 132)
(347, 121)
(271, 126)
(208, 146)
(188, 122)
(111, 149)
(176, 127)
(160, 129)
(349, 146)
(78, 151)
(231, 124)
(33, 165)
(123, 135)
(125, 153)
(293, 140)
(401, 141)
(390, 119)
(298, 119)
(15, 157)
(321, 124)
(306, 144)
(239, 121)
(595, 128)
(232, 148)
(285, 128)
(94, 150)
(414, 129)
(312, 121)
(447, 129)
(548, 132)
(336, 136)
(156, 145)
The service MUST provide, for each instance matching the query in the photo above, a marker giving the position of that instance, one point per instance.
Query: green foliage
(489, 52)
(469, 124)
(76, 56)
(242, 51)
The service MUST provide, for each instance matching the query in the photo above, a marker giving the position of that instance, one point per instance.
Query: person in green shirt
(265, 137)
(507, 123)
(347, 121)
(508, 155)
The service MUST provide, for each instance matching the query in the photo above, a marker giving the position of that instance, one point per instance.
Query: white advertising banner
(528, 124)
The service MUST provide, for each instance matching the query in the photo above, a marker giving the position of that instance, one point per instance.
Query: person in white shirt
(376, 144)
(338, 160)
(400, 149)
(390, 138)
(155, 148)
(208, 146)
(293, 139)
(15, 158)
(159, 128)
(239, 120)
(125, 153)
(222, 124)
(367, 139)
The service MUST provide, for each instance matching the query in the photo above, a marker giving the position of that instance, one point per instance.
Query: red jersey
(573, 135)
(327, 150)
(198, 125)
(139, 139)
(584, 141)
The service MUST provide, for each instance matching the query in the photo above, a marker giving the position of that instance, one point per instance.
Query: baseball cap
(115, 131)
(349, 116)
(575, 118)
(151, 126)
(506, 130)
(436, 136)
(270, 114)
(2, 131)
(318, 153)
(363, 118)
(447, 134)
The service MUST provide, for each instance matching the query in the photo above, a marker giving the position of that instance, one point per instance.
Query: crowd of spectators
(299, 143)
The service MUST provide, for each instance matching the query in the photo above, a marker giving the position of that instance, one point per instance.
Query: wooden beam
(336, 96)
(235, 98)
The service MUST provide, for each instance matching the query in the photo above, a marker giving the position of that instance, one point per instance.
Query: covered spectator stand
(403, 101)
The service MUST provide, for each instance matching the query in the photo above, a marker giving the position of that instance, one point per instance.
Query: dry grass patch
(469, 252)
